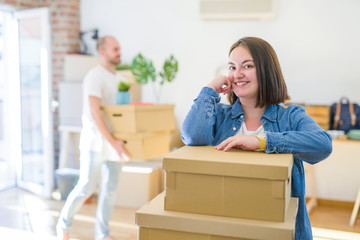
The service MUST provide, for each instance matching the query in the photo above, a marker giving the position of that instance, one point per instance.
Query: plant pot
(122, 97)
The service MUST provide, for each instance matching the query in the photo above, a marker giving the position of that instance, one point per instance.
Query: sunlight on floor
(10, 233)
(326, 234)
(85, 218)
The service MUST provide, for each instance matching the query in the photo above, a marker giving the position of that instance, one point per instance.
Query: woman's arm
(305, 140)
(198, 128)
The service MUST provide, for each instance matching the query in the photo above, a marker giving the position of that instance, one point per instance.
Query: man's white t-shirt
(101, 83)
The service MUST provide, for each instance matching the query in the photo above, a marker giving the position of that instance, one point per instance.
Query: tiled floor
(26, 216)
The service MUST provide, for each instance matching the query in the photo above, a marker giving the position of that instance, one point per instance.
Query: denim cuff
(207, 92)
(275, 142)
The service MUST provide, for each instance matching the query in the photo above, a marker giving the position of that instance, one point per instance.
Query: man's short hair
(101, 42)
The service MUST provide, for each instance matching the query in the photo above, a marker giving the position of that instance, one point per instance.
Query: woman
(255, 119)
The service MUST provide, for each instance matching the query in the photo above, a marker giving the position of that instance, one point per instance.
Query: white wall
(317, 42)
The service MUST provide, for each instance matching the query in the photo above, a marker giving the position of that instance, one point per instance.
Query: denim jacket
(287, 130)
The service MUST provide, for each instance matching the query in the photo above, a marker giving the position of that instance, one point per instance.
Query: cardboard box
(155, 223)
(145, 146)
(236, 183)
(140, 118)
(162, 173)
(175, 139)
(76, 66)
(135, 93)
(139, 182)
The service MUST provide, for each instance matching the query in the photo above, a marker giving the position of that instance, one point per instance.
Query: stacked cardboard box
(139, 182)
(145, 129)
(212, 194)
(147, 132)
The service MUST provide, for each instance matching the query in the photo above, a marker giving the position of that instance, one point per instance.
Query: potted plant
(123, 95)
(123, 67)
(144, 70)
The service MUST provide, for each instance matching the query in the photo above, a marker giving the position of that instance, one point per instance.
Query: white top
(258, 132)
(101, 83)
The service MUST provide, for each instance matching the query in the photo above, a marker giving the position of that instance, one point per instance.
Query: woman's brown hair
(272, 87)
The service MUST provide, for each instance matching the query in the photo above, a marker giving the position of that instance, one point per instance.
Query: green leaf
(142, 69)
(170, 69)
(122, 67)
(151, 71)
(124, 86)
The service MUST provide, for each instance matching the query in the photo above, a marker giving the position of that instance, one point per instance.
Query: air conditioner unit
(237, 9)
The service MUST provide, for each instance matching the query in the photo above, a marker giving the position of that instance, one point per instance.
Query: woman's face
(242, 73)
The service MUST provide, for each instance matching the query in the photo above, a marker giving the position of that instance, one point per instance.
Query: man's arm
(95, 106)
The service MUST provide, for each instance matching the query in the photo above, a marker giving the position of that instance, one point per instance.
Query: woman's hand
(221, 84)
(243, 142)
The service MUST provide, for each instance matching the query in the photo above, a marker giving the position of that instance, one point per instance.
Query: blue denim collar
(270, 112)
(236, 109)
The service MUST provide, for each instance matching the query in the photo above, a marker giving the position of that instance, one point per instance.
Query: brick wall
(65, 23)
(65, 29)
(20, 3)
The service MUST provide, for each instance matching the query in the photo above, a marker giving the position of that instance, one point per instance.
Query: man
(99, 89)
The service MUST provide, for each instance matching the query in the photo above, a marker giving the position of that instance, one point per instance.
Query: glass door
(7, 164)
(36, 166)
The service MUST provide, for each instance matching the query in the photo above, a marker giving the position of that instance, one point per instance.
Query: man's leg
(90, 163)
(110, 178)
